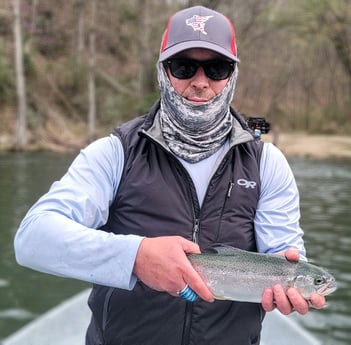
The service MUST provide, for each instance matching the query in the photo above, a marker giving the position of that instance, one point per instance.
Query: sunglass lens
(182, 69)
(218, 70)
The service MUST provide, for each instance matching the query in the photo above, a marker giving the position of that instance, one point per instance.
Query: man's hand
(291, 300)
(161, 263)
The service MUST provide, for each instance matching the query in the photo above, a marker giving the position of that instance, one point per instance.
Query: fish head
(313, 279)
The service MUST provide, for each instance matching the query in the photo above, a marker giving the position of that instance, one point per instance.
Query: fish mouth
(328, 288)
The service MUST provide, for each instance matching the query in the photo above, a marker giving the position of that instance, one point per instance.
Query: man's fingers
(189, 247)
(287, 301)
(317, 301)
(192, 277)
(195, 281)
(282, 301)
(268, 303)
(297, 301)
(292, 254)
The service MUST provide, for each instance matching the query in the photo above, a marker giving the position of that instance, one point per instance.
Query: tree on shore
(21, 125)
(91, 77)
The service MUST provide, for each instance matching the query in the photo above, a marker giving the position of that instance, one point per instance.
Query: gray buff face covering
(194, 131)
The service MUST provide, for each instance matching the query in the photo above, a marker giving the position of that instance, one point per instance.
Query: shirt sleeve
(59, 233)
(277, 218)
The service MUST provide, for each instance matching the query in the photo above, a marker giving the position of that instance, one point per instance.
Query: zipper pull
(196, 231)
(231, 184)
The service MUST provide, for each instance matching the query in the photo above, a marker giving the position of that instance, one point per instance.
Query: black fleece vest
(157, 197)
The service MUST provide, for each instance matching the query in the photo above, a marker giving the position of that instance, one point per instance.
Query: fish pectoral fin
(223, 298)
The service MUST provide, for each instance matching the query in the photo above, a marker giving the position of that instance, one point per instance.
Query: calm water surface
(325, 188)
(25, 294)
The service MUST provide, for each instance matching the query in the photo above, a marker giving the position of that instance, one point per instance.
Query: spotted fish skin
(239, 275)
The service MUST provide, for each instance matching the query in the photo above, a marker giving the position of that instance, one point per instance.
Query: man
(182, 179)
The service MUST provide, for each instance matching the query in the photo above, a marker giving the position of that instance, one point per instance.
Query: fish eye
(319, 280)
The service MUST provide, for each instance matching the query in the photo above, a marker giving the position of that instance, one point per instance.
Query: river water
(325, 189)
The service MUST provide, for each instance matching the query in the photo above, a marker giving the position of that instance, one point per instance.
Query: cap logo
(198, 23)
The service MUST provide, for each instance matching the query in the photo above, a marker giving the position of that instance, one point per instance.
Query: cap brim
(196, 44)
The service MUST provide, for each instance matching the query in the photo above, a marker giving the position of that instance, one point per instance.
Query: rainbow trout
(238, 275)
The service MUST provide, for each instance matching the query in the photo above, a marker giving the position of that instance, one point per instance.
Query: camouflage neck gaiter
(194, 131)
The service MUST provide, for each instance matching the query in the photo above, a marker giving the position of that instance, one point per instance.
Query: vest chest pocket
(236, 223)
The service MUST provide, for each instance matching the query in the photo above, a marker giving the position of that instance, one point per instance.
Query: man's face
(199, 88)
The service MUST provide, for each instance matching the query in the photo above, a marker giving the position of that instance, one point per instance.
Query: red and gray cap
(199, 27)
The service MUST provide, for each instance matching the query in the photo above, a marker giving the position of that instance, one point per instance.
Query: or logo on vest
(198, 23)
(246, 183)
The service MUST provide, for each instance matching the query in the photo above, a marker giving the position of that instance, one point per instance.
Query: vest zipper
(196, 230)
(231, 184)
(187, 323)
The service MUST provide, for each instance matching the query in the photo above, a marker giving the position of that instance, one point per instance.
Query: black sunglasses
(186, 68)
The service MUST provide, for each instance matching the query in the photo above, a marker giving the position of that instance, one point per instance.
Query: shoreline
(319, 146)
(302, 145)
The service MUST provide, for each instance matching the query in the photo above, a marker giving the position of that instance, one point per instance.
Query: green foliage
(72, 86)
(114, 110)
(71, 76)
(29, 66)
(34, 119)
(148, 101)
(7, 85)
